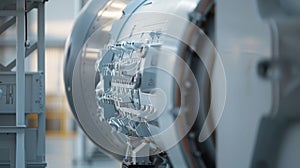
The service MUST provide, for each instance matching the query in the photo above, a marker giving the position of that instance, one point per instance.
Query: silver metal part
(142, 150)
(125, 76)
(80, 79)
(125, 92)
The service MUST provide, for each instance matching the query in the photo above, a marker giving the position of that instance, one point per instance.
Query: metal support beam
(8, 12)
(20, 85)
(2, 67)
(7, 24)
(31, 49)
(41, 69)
(40, 1)
(15, 13)
(11, 129)
(12, 64)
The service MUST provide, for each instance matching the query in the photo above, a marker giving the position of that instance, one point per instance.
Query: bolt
(27, 44)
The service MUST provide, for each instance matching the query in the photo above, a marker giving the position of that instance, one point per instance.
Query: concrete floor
(60, 154)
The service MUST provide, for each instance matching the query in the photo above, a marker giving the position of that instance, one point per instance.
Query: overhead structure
(22, 94)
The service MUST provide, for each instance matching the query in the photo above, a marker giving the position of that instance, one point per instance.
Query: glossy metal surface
(166, 31)
(81, 96)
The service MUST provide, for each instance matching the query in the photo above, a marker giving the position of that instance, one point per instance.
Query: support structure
(23, 93)
(20, 85)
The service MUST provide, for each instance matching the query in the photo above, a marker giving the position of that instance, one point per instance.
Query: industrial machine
(147, 85)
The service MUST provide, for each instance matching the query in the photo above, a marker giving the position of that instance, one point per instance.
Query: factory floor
(60, 154)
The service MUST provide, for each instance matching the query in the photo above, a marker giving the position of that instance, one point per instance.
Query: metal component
(41, 69)
(141, 150)
(8, 86)
(7, 24)
(132, 6)
(20, 84)
(8, 13)
(199, 15)
(279, 69)
(123, 93)
(12, 64)
(124, 90)
(27, 44)
(11, 129)
(10, 95)
(274, 128)
(23, 93)
(278, 133)
(31, 48)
